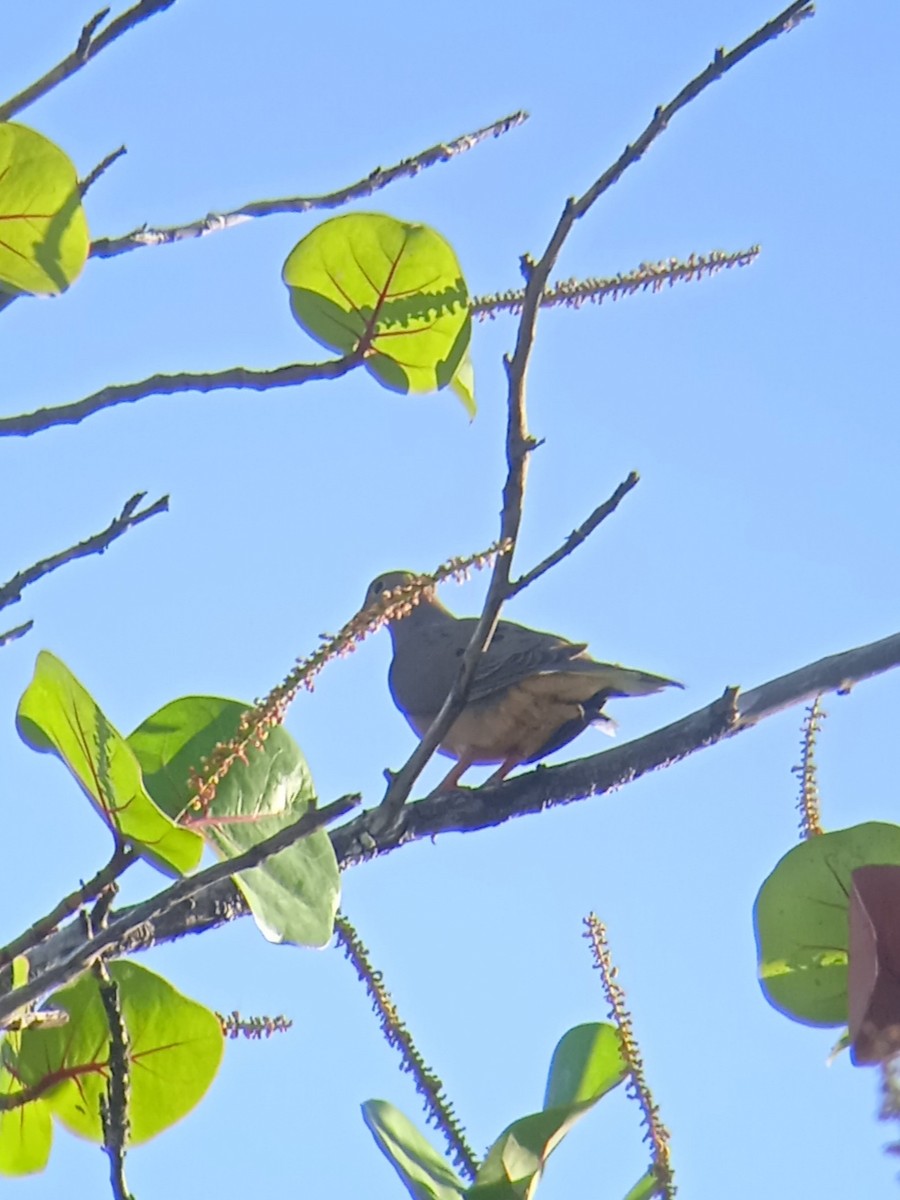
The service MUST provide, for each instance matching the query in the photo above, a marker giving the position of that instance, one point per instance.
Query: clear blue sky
(760, 408)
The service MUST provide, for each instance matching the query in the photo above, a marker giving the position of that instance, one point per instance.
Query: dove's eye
(377, 586)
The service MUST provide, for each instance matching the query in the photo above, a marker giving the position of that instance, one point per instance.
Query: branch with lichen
(808, 802)
(637, 1088)
(648, 277)
(271, 711)
(373, 182)
(428, 1084)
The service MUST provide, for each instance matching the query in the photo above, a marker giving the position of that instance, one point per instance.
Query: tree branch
(131, 923)
(168, 385)
(577, 536)
(373, 182)
(130, 516)
(519, 442)
(12, 635)
(467, 810)
(87, 48)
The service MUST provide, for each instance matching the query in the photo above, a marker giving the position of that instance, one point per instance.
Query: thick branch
(374, 182)
(88, 46)
(130, 516)
(467, 810)
(481, 808)
(119, 931)
(169, 385)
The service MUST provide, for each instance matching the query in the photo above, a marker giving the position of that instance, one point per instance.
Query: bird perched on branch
(532, 692)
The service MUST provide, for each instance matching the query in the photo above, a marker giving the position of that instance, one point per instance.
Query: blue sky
(760, 408)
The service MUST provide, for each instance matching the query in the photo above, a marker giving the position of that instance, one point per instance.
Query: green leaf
(646, 1186)
(801, 920)
(463, 384)
(43, 231)
(293, 895)
(426, 1174)
(175, 1047)
(57, 715)
(26, 1133)
(388, 290)
(587, 1063)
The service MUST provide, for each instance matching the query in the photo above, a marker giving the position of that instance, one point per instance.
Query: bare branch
(119, 863)
(130, 924)
(87, 48)
(652, 277)
(577, 536)
(84, 185)
(13, 635)
(519, 442)
(482, 808)
(373, 182)
(168, 385)
(130, 516)
(467, 809)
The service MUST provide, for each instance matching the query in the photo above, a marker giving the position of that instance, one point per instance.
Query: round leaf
(801, 920)
(175, 1047)
(58, 716)
(388, 290)
(43, 231)
(293, 895)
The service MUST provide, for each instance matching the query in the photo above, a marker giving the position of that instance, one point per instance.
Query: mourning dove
(532, 692)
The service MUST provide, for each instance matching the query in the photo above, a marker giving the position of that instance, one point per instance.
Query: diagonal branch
(131, 922)
(577, 536)
(519, 442)
(168, 385)
(130, 516)
(90, 43)
(373, 182)
(467, 810)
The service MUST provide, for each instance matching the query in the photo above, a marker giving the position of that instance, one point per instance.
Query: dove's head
(390, 581)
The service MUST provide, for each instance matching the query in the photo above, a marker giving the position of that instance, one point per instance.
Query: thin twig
(519, 442)
(648, 277)
(84, 185)
(13, 635)
(577, 536)
(130, 516)
(428, 1084)
(169, 385)
(88, 47)
(373, 182)
(119, 863)
(149, 910)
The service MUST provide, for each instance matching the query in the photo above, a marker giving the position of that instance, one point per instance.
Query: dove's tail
(624, 681)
